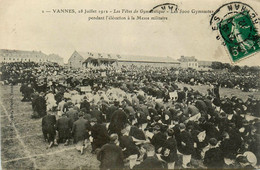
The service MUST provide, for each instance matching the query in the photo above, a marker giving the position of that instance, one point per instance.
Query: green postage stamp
(237, 25)
(240, 36)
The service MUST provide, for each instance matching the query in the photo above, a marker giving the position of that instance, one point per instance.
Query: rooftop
(131, 58)
(7, 51)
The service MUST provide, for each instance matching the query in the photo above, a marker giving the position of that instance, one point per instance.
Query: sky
(23, 26)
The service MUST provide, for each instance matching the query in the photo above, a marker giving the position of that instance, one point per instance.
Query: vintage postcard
(130, 84)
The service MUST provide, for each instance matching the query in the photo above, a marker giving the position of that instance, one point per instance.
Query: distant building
(80, 60)
(8, 56)
(148, 60)
(188, 62)
(77, 58)
(55, 59)
(205, 64)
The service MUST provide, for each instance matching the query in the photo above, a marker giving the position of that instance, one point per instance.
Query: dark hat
(213, 141)
(183, 118)
(230, 155)
(178, 106)
(87, 117)
(202, 119)
(182, 126)
(245, 122)
(242, 159)
(170, 132)
(116, 103)
(175, 118)
(157, 127)
(80, 114)
(156, 118)
(190, 126)
(223, 115)
(93, 119)
(185, 88)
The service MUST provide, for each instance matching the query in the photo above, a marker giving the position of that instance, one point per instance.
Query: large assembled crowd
(138, 118)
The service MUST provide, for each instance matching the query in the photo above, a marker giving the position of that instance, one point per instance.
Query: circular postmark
(237, 25)
(166, 7)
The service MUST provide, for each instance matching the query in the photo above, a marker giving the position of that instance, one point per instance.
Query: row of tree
(236, 68)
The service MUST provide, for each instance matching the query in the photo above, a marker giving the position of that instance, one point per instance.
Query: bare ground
(34, 153)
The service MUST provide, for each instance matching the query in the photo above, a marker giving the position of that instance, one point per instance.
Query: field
(22, 144)
(223, 91)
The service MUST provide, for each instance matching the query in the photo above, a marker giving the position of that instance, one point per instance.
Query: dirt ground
(22, 143)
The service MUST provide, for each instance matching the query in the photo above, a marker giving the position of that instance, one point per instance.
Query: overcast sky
(23, 26)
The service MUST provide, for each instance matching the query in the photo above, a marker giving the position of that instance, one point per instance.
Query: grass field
(223, 91)
(22, 144)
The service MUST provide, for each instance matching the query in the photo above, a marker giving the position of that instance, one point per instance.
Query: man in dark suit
(27, 91)
(213, 157)
(22, 89)
(49, 129)
(72, 114)
(141, 118)
(201, 105)
(151, 162)
(67, 105)
(181, 96)
(170, 149)
(111, 155)
(85, 104)
(80, 131)
(136, 133)
(216, 90)
(185, 144)
(110, 111)
(99, 134)
(152, 112)
(158, 139)
(96, 113)
(208, 102)
(128, 145)
(118, 121)
(211, 130)
(64, 127)
(39, 106)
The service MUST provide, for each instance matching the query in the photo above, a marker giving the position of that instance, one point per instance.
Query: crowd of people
(249, 81)
(244, 81)
(138, 118)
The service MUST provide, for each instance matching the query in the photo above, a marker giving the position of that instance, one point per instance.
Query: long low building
(148, 60)
(7, 56)
(81, 59)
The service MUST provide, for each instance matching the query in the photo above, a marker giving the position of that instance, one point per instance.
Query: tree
(216, 65)
(227, 66)
(235, 69)
(254, 69)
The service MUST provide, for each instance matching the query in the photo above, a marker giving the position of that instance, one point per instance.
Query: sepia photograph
(130, 84)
